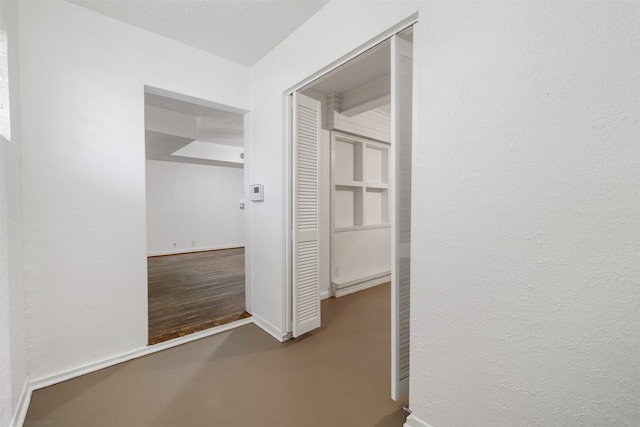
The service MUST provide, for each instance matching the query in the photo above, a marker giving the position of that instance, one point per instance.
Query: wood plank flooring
(194, 291)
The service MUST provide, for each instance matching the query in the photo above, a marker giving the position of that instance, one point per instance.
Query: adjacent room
(195, 215)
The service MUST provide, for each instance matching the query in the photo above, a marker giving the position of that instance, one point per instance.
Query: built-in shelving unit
(360, 182)
(360, 225)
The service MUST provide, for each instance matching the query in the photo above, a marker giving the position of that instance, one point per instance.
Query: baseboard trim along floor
(193, 250)
(346, 287)
(114, 360)
(270, 328)
(20, 413)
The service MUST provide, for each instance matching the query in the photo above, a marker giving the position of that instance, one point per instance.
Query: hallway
(339, 375)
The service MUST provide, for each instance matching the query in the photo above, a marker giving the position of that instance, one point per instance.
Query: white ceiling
(179, 123)
(240, 30)
(212, 123)
(365, 68)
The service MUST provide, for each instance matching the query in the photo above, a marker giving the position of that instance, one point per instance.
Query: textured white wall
(83, 78)
(525, 292)
(188, 202)
(13, 356)
(525, 256)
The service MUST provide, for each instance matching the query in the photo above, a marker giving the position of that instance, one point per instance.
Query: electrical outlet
(193, 243)
(174, 244)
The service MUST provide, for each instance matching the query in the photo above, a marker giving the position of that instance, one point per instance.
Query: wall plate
(256, 193)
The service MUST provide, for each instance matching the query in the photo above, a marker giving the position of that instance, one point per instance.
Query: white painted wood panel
(361, 242)
(359, 253)
(401, 105)
(371, 124)
(306, 293)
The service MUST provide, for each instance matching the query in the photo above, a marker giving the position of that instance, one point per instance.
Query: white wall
(530, 237)
(13, 356)
(526, 237)
(189, 203)
(83, 78)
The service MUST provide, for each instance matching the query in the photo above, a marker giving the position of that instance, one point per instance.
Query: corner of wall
(14, 383)
(20, 413)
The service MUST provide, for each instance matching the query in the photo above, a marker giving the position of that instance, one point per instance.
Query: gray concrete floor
(338, 375)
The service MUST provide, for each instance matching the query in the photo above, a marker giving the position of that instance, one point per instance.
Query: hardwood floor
(195, 291)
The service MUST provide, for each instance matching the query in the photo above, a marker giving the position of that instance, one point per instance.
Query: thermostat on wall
(256, 193)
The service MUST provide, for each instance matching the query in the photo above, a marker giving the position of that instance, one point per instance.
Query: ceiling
(370, 66)
(240, 30)
(212, 124)
(171, 125)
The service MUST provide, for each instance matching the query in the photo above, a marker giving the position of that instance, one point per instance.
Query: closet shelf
(361, 227)
(356, 184)
(359, 184)
(376, 185)
(360, 188)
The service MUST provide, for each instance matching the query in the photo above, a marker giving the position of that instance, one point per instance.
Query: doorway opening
(354, 215)
(195, 215)
(351, 189)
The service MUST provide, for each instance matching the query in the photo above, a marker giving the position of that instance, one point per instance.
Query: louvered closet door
(306, 294)
(401, 101)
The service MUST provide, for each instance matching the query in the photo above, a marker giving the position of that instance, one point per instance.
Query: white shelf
(357, 184)
(360, 182)
(378, 186)
(360, 221)
(361, 227)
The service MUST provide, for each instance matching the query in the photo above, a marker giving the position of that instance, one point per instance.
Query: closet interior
(355, 230)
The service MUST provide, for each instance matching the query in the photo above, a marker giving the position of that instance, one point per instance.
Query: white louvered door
(306, 141)
(401, 134)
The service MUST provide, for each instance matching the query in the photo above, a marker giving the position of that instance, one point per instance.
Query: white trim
(270, 328)
(125, 357)
(20, 413)
(247, 215)
(360, 227)
(287, 202)
(188, 251)
(325, 294)
(414, 421)
(341, 289)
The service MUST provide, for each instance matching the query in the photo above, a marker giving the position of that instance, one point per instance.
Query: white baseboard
(20, 414)
(270, 328)
(125, 357)
(325, 294)
(414, 421)
(190, 250)
(346, 288)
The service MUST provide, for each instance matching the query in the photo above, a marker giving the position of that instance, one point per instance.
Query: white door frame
(287, 98)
